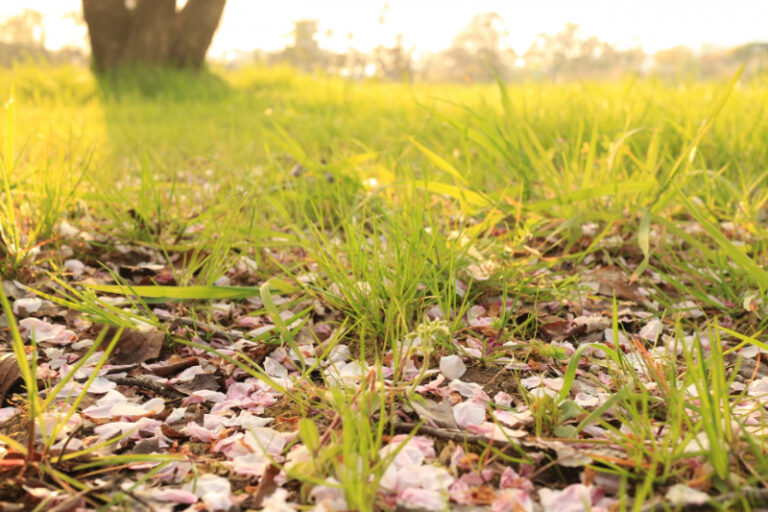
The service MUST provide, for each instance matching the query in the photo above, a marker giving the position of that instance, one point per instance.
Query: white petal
(452, 367)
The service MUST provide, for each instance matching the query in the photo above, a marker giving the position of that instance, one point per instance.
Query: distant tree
(22, 37)
(749, 50)
(756, 56)
(305, 53)
(353, 61)
(678, 62)
(151, 32)
(23, 29)
(476, 51)
(551, 53)
(714, 61)
(567, 55)
(394, 62)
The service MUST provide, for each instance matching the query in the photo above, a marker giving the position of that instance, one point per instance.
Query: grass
(385, 203)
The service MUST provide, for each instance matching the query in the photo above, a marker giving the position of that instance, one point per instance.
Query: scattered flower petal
(452, 367)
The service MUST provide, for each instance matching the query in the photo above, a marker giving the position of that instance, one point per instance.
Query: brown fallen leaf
(164, 370)
(9, 373)
(483, 495)
(613, 281)
(135, 347)
(557, 329)
(147, 446)
(440, 414)
(446, 453)
(171, 432)
(198, 382)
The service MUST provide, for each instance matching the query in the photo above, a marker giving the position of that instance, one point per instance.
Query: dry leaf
(439, 413)
(613, 281)
(483, 495)
(198, 382)
(9, 373)
(557, 329)
(135, 347)
(165, 370)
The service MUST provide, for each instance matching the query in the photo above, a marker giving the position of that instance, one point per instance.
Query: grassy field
(593, 253)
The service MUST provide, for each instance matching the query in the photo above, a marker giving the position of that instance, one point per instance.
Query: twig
(149, 384)
(754, 495)
(195, 324)
(66, 443)
(449, 434)
(267, 486)
(757, 369)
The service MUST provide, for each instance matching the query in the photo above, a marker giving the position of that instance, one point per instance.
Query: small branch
(66, 443)
(197, 325)
(755, 497)
(445, 434)
(148, 384)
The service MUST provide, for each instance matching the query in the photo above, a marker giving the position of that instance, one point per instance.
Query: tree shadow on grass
(148, 83)
(160, 110)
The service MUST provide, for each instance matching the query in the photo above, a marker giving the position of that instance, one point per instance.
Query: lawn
(257, 289)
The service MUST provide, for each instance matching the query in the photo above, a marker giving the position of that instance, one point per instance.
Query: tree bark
(152, 33)
(195, 26)
(152, 24)
(108, 25)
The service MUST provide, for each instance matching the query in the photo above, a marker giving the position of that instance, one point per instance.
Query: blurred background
(429, 41)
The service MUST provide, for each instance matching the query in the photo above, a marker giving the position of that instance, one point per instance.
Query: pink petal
(503, 399)
(189, 373)
(176, 415)
(469, 412)
(468, 390)
(512, 500)
(651, 330)
(174, 496)
(278, 502)
(6, 413)
(249, 465)
(452, 367)
(586, 400)
(513, 419)
(27, 306)
(416, 450)
(198, 433)
(329, 497)
(510, 479)
(204, 395)
(215, 491)
(174, 472)
(43, 331)
(460, 492)
(264, 440)
(422, 499)
(681, 495)
(574, 498)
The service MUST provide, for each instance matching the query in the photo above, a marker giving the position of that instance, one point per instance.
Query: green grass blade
(737, 255)
(440, 162)
(196, 292)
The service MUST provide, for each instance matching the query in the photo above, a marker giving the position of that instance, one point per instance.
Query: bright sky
(430, 25)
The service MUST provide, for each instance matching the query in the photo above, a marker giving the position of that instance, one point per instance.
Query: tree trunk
(151, 33)
(195, 26)
(152, 24)
(108, 26)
